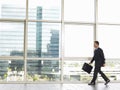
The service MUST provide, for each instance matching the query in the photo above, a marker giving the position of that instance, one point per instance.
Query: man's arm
(92, 60)
(102, 55)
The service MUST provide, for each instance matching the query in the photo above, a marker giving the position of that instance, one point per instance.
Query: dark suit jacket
(98, 57)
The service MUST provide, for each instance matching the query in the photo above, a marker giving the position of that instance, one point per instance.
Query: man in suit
(99, 62)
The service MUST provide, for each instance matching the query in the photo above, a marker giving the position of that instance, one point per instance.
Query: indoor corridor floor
(100, 86)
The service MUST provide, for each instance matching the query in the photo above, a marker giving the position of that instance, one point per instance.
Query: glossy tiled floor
(101, 86)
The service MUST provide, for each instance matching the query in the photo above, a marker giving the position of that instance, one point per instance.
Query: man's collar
(96, 48)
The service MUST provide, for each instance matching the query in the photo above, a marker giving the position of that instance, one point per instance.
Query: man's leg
(96, 70)
(103, 76)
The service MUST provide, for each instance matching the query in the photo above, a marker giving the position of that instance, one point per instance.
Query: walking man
(99, 62)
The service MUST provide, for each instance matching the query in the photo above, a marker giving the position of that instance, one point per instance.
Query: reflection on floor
(101, 86)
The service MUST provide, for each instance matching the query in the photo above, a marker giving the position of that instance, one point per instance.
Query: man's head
(96, 44)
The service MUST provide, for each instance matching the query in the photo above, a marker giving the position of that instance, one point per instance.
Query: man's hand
(103, 65)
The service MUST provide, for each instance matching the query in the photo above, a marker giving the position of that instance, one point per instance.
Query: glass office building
(49, 40)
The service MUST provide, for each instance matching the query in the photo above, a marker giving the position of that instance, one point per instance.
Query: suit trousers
(96, 71)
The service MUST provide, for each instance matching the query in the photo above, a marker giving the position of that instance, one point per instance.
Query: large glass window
(108, 11)
(78, 41)
(43, 39)
(109, 40)
(15, 9)
(44, 9)
(43, 70)
(79, 10)
(11, 39)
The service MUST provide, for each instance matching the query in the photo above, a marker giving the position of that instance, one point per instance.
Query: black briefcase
(87, 68)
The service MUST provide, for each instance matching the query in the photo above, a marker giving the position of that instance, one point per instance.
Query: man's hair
(97, 42)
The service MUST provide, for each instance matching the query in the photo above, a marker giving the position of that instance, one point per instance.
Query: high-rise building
(39, 32)
(53, 51)
(53, 46)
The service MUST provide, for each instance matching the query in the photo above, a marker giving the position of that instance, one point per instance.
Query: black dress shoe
(107, 82)
(92, 83)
